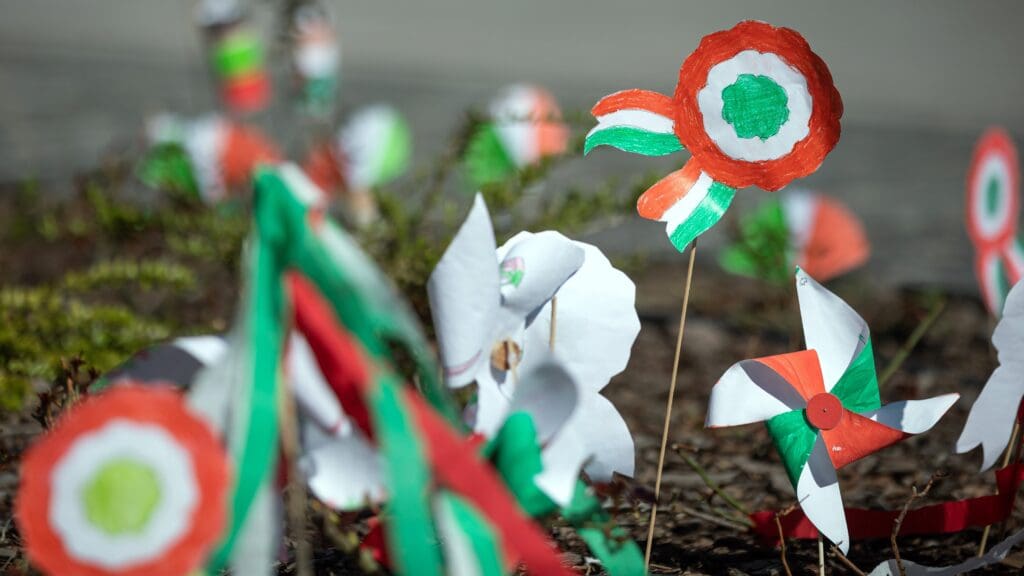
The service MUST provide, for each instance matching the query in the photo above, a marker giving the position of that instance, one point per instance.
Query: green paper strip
(704, 216)
(635, 140)
(794, 439)
(397, 149)
(410, 527)
(477, 530)
(857, 388)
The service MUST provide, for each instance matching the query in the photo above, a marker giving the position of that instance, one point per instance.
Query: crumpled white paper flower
(492, 314)
(990, 421)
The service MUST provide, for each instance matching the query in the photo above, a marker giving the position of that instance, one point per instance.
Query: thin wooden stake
(554, 323)
(1006, 462)
(668, 405)
(296, 485)
(821, 556)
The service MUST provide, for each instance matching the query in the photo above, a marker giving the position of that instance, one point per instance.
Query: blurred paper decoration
(754, 106)
(822, 405)
(492, 313)
(303, 271)
(176, 362)
(800, 228)
(373, 148)
(991, 419)
(525, 126)
(129, 482)
(209, 158)
(235, 54)
(316, 58)
(993, 206)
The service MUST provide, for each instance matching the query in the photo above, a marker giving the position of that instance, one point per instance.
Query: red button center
(824, 411)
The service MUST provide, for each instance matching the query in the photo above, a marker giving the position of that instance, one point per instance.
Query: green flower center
(992, 196)
(755, 106)
(121, 497)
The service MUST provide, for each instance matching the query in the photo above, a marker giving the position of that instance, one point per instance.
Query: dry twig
(903, 514)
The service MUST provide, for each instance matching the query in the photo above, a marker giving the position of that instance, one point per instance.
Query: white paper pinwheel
(492, 314)
(990, 421)
(821, 405)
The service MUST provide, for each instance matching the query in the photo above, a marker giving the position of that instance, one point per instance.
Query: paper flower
(993, 203)
(316, 57)
(235, 53)
(990, 422)
(129, 482)
(821, 405)
(492, 314)
(754, 106)
(801, 228)
(526, 127)
(176, 362)
(220, 155)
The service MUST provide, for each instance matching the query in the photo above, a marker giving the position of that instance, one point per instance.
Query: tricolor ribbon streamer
(754, 106)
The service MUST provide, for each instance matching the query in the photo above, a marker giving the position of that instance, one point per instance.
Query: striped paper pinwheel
(129, 482)
(821, 405)
(525, 127)
(754, 106)
(798, 228)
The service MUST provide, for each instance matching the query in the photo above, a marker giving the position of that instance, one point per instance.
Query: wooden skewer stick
(296, 485)
(668, 406)
(821, 556)
(1006, 462)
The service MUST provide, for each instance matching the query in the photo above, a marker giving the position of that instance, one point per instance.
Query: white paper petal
(596, 322)
(342, 469)
(548, 394)
(817, 491)
(831, 328)
(546, 260)
(913, 416)
(990, 421)
(313, 396)
(492, 404)
(563, 459)
(749, 392)
(465, 298)
(605, 435)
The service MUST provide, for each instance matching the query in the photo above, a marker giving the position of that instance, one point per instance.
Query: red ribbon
(944, 518)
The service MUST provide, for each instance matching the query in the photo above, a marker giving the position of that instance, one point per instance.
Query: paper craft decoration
(800, 228)
(754, 106)
(129, 482)
(525, 127)
(821, 405)
(303, 271)
(492, 315)
(373, 148)
(235, 53)
(990, 421)
(206, 158)
(993, 204)
(316, 58)
(176, 362)
(994, 556)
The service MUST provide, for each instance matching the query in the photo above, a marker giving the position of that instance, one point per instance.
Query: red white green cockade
(754, 106)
